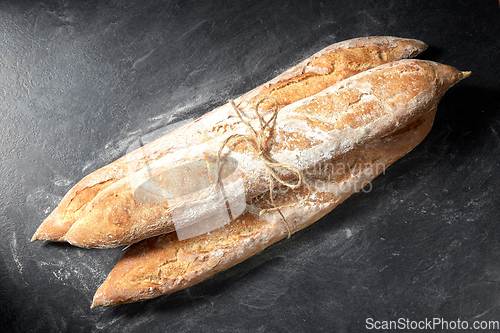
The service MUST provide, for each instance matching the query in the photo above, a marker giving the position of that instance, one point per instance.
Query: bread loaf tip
(464, 75)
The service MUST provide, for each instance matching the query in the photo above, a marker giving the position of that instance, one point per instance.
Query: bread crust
(314, 74)
(373, 132)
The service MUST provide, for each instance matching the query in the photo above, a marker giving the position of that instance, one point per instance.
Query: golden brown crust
(334, 64)
(323, 69)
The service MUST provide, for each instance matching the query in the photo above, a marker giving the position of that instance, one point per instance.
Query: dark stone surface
(81, 80)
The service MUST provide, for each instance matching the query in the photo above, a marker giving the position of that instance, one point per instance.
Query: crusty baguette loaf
(314, 74)
(163, 265)
(313, 130)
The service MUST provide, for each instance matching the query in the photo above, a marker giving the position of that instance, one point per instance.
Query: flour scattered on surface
(15, 255)
(61, 181)
(61, 274)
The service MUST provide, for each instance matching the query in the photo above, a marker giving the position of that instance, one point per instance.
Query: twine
(257, 142)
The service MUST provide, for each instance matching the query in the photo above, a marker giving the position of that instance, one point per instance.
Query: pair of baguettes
(345, 114)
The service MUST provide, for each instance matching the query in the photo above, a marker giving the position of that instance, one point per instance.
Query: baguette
(311, 131)
(314, 74)
(380, 115)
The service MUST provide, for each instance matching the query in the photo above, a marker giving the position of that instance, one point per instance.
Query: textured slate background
(81, 80)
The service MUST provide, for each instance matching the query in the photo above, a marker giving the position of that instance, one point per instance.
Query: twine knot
(256, 140)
